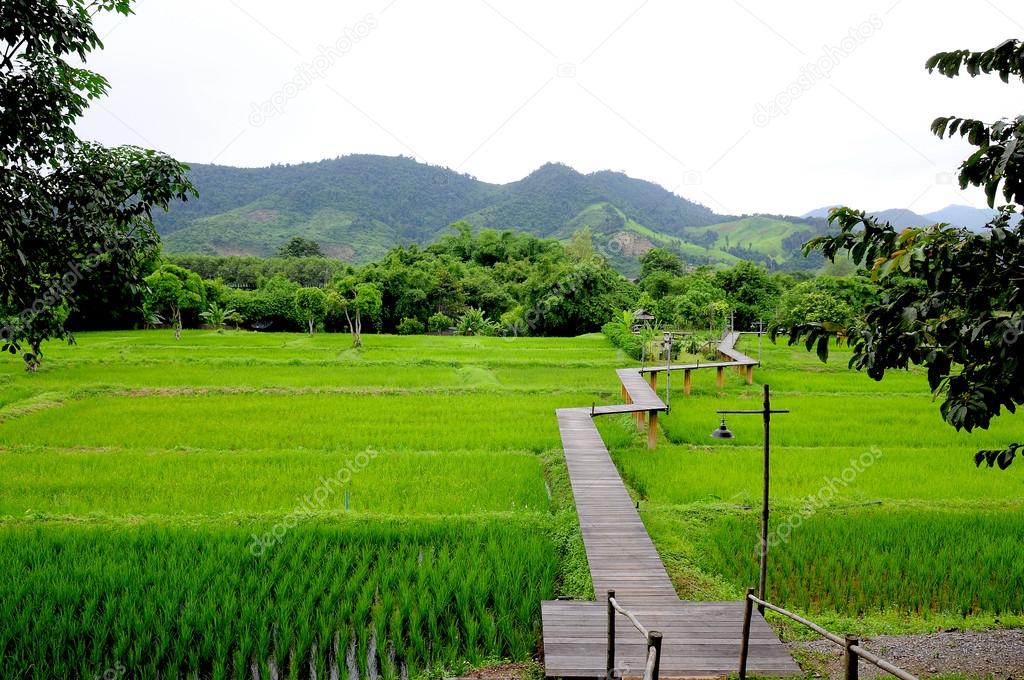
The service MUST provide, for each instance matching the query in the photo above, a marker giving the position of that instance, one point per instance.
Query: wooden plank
(700, 638)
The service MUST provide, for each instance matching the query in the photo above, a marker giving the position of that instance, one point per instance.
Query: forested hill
(357, 207)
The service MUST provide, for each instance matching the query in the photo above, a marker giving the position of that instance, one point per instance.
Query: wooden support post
(653, 380)
(625, 395)
(748, 611)
(850, 658)
(610, 671)
(687, 382)
(719, 379)
(655, 641)
(638, 416)
(652, 429)
(750, 374)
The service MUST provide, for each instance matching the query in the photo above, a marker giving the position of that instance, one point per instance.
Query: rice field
(880, 520)
(171, 602)
(915, 562)
(276, 505)
(271, 505)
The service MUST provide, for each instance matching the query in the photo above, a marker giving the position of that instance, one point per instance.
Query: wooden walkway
(701, 639)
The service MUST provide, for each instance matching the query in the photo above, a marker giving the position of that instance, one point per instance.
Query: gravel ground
(998, 654)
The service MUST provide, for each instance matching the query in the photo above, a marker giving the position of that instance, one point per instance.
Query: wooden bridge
(701, 639)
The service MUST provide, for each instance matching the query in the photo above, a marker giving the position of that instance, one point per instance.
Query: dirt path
(990, 653)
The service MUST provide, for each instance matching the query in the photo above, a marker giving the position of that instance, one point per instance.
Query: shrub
(439, 322)
(622, 337)
(410, 326)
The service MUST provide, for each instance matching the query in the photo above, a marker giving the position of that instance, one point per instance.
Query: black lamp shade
(722, 432)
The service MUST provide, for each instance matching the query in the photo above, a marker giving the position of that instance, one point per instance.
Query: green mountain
(357, 207)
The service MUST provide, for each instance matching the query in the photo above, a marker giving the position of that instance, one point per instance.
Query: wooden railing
(653, 665)
(852, 651)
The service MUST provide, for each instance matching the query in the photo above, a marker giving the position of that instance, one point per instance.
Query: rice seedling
(289, 421)
(162, 597)
(211, 483)
(866, 560)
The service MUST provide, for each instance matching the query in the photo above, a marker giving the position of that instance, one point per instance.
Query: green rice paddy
(244, 503)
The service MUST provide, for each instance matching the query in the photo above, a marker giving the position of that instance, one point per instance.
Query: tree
(690, 307)
(311, 306)
(172, 290)
(65, 205)
(572, 299)
(300, 247)
(581, 246)
(965, 314)
(750, 291)
(359, 300)
(809, 302)
(660, 260)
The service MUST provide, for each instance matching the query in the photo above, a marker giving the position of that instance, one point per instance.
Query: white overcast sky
(679, 93)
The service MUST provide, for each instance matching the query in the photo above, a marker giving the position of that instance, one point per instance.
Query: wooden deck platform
(701, 639)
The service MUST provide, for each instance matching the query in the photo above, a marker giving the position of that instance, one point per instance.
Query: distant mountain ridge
(359, 206)
(958, 215)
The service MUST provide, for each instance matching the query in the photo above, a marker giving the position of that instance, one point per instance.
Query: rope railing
(853, 652)
(653, 665)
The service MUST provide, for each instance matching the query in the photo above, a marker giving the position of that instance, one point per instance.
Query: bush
(439, 323)
(410, 326)
(623, 338)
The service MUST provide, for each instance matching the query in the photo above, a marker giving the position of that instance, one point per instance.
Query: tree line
(488, 282)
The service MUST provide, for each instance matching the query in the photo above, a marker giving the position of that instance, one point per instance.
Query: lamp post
(667, 345)
(722, 432)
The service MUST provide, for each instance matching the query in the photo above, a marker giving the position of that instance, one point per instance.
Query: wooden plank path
(701, 639)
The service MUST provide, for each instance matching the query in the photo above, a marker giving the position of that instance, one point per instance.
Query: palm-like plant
(474, 322)
(218, 316)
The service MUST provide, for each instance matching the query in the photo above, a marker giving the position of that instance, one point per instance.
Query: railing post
(655, 641)
(652, 429)
(748, 611)
(610, 671)
(850, 658)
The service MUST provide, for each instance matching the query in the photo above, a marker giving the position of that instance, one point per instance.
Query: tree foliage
(359, 301)
(311, 306)
(300, 247)
(172, 291)
(65, 205)
(951, 300)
